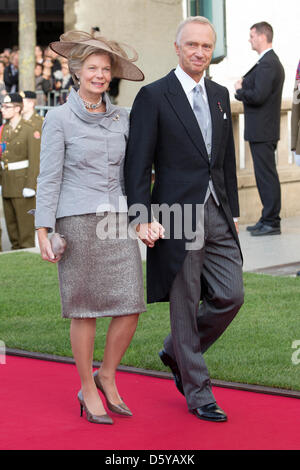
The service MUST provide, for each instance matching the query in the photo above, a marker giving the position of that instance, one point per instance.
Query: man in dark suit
(260, 90)
(182, 124)
(11, 73)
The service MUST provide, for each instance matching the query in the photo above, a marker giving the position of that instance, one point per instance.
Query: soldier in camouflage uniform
(18, 173)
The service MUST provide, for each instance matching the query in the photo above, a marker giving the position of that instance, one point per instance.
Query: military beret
(13, 98)
(29, 94)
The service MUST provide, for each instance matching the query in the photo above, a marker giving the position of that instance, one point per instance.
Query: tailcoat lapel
(181, 106)
(259, 61)
(252, 68)
(216, 106)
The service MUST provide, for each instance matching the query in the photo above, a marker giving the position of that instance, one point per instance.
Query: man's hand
(239, 84)
(236, 226)
(149, 233)
(28, 192)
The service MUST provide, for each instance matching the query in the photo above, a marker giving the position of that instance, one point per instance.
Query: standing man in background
(260, 90)
(30, 115)
(11, 73)
(18, 174)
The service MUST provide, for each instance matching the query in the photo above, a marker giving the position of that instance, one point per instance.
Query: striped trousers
(214, 275)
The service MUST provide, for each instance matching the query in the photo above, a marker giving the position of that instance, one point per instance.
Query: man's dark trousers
(194, 329)
(267, 181)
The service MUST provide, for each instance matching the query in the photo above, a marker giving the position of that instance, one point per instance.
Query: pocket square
(224, 116)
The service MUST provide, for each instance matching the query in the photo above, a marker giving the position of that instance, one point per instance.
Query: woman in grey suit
(80, 195)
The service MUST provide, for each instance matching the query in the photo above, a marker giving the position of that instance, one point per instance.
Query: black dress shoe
(210, 412)
(250, 228)
(169, 362)
(266, 230)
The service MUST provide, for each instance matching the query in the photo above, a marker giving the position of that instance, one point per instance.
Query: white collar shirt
(264, 52)
(188, 84)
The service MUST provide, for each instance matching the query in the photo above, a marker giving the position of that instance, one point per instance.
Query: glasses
(7, 106)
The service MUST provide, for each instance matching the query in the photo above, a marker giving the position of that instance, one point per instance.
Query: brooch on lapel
(116, 117)
(221, 110)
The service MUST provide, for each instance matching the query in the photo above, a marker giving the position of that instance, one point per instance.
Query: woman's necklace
(91, 105)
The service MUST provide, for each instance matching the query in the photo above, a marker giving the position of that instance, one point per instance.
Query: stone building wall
(148, 25)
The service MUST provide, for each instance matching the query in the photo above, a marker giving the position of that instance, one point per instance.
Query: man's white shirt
(188, 84)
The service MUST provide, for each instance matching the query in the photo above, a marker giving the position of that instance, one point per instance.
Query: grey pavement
(274, 254)
(5, 241)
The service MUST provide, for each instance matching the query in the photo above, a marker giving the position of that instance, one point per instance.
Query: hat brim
(123, 68)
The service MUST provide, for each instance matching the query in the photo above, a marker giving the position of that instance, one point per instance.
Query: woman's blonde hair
(79, 54)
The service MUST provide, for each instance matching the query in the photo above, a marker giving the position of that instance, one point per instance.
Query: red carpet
(39, 411)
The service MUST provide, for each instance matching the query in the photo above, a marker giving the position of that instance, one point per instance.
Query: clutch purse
(58, 244)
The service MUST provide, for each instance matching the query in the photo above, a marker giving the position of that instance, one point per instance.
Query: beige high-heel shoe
(121, 409)
(98, 419)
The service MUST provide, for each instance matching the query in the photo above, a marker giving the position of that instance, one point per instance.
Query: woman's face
(95, 75)
(65, 69)
(38, 70)
(48, 62)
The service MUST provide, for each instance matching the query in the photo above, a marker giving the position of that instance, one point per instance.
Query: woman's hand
(45, 246)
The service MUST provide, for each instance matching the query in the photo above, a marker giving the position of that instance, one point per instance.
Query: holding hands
(149, 233)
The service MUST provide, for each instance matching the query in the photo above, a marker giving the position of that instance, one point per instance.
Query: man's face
(255, 40)
(28, 105)
(197, 42)
(9, 111)
(38, 70)
(15, 60)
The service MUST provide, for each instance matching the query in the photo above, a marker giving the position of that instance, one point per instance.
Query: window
(215, 11)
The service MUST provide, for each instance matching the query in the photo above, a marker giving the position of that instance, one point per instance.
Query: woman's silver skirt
(100, 273)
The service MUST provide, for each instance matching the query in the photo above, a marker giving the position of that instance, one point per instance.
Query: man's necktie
(202, 113)
(200, 110)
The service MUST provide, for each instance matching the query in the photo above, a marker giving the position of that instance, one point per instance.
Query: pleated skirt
(100, 273)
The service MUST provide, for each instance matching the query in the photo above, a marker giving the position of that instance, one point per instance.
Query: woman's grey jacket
(81, 162)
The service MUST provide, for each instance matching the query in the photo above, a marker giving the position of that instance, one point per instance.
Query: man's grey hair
(193, 19)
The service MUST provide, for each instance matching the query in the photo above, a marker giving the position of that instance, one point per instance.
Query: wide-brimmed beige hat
(123, 68)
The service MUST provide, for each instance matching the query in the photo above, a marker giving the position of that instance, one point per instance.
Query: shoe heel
(121, 409)
(98, 419)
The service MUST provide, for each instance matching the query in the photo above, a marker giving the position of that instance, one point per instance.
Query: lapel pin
(220, 107)
(116, 118)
